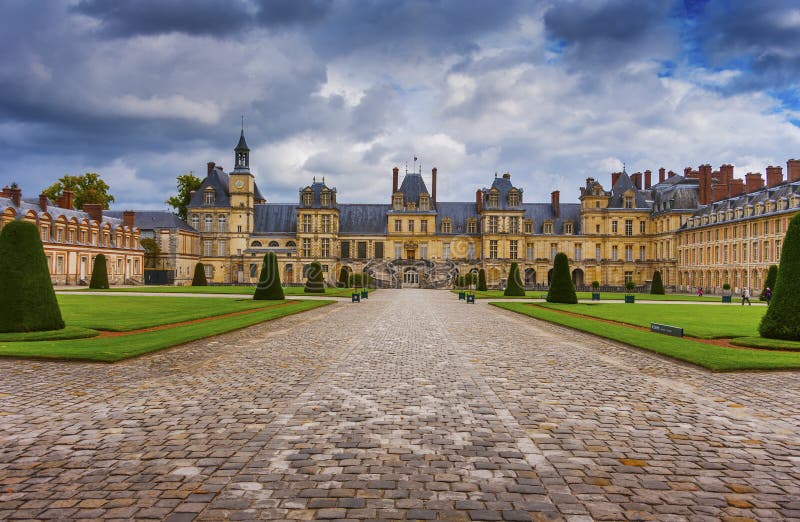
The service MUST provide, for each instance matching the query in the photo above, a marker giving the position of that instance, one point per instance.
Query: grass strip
(604, 296)
(69, 332)
(235, 290)
(715, 358)
(111, 349)
(766, 344)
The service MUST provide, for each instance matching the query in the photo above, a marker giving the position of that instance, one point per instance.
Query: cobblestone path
(410, 405)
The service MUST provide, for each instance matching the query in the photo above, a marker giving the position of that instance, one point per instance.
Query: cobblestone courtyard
(410, 405)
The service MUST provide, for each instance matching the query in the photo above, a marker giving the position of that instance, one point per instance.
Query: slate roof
(55, 212)
(503, 185)
(279, 218)
(623, 185)
(220, 182)
(364, 219)
(154, 219)
(675, 193)
(412, 187)
(316, 189)
(541, 212)
(242, 145)
(784, 190)
(458, 213)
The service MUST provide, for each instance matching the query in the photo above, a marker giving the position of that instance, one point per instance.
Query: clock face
(239, 183)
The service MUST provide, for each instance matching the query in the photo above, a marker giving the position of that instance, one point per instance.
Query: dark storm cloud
(600, 34)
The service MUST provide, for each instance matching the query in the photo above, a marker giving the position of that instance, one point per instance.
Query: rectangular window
(597, 251)
(628, 277)
(628, 227)
(642, 253)
(221, 251)
(208, 248)
(578, 252)
(553, 250)
(778, 249)
(423, 225)
(379, 250)
(529, 227)
(326, 224)
(447, 227)
(423, 249)
(530, 252)
(345, 249)
(472, 227)
(493, 224)
(306, 247)
(306, 223)
(512, 249)
(568, 228)
(398, 225)
(614, 253)
(59, 265)
(628, 202)
(362, 249)
(446, 250)
(410, 225)
(209, 270)
(613, 227)
(628, 253)
(398, 251)
(326, 247)
(514, 225)
(493, 249)
(470, 250)
(641, 227)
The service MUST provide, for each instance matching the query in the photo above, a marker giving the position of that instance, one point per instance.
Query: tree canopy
(186, 184)
(87, 188)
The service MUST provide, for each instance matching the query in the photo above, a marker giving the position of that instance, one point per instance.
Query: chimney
(704, 173)
(95, 211)
(16, 196)
(662, 175)
(793, 170)
(726, 173)
(720, 191)
(555, 204)
(191, 194)
(479, 201)
(434, 172)
(670, 174)
(395, 174)
(43, 202)
(66, 199)
(129, 218)
(687, 173)
(211, 166)
(648, 179)
(753, 181)
(737, 187)
(614, 177)
(6, 192)
(636, 179)
(774, 176)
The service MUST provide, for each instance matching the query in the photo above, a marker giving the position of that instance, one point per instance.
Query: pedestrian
(746, 297)
(767, 295)
(700, 292)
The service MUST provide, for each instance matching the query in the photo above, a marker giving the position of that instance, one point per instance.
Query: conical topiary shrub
(482, 280)
(344, 277)
(782, 320)
(315, 284)
(199, 278)
(27, 299)
(657, 286)
(562, 290)
(514, 286)
(269, 282)
(99, 273)
(772, 276)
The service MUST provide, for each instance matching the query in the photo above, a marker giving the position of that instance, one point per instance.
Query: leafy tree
(315, 284)
(186, 184)
(269, 283)
(657, 286)
(152, 251)
(514, 286)
(344, 277)
(99, 273)
(199, 278)
(772, 276)
(782, 320)
(629, 286)
(595, 285)
(88, 188)
(482, 280)
(562, 289)
(27, 299)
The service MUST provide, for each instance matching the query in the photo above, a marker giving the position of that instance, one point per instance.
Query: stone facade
(611, 236)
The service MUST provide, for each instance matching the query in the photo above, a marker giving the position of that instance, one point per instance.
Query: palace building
(73, 238)
(700, 229)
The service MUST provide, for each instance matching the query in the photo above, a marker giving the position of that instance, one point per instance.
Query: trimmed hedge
(360, 279)
(482, 280)
(514, 286)
(772, 277)
(657, 286)
(344, 277)
(782, 320)
(27, 299)
(269, 282)
(562, 289)
(199, 278)
(99, 273)
(315, 284)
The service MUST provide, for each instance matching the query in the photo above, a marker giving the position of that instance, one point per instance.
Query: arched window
(255, 244)
(195, 222)
(273, 244)
(291, 244)
(209, 221)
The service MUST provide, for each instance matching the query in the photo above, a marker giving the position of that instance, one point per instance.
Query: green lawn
(715, 358)
(109, 314)
(604, 296)
(706, 322)
(239, 290)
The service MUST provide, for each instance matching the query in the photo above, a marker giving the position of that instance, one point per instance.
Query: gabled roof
(412, 187)
(316, 189)
(219, 181)
(154, 219)
(623, 185)
(503, 186)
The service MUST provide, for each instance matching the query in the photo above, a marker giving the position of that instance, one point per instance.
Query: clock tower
(242, 189)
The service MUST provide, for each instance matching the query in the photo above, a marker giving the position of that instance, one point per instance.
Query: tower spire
(242, 153)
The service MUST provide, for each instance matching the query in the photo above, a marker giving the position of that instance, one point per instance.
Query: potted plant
(726, 293)
(595, 290)
(629, 297)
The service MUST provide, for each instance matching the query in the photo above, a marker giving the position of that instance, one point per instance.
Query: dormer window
(513, 199)
(209, 197)
(424, 202)
(568, 228)
(325, 199)
(628, 201)
(528, 226)
(308, 198)
(494, 200)
(472, 226)
(447, 226)
(397, 202)
(548, 227)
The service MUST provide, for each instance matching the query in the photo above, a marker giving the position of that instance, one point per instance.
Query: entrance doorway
(410, 278)
(411, 254)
